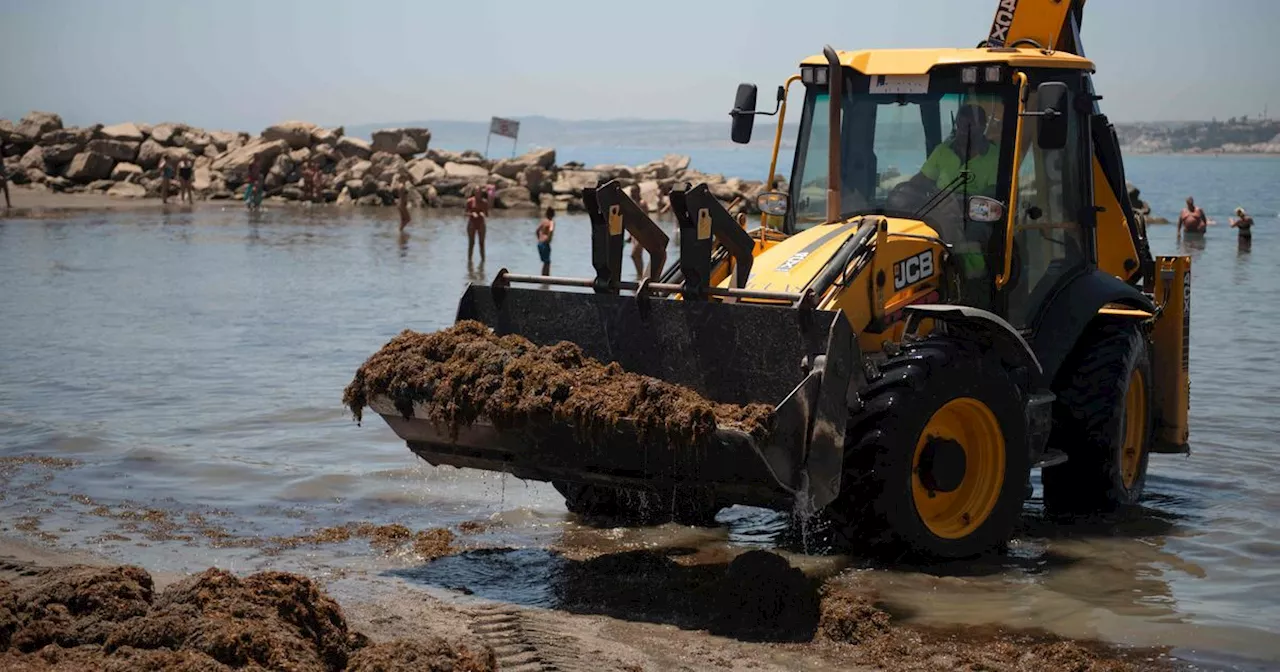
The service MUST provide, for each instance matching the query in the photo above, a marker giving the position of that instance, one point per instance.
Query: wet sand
(67, 610)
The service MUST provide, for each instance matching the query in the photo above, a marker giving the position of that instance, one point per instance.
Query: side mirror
(1052, 109)
(744, 113)
(773, 203)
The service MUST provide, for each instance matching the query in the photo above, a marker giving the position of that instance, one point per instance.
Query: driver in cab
(969, 148)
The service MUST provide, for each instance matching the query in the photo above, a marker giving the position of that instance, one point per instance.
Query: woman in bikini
(185, 169)
(1244, 225)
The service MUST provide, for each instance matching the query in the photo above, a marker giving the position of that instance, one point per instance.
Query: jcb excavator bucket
(801, 361)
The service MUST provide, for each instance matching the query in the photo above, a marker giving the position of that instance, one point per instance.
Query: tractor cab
(974, 136)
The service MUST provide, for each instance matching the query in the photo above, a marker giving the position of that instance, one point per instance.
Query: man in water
(253, 194)
(546, 229)
(637, 250)
(4, 184)
(1192, 219)
(477, 212)
(402, 202)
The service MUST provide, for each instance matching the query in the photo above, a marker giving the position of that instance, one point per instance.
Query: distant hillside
(1234, 136)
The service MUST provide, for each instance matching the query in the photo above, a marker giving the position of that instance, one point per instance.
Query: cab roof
(920, 61)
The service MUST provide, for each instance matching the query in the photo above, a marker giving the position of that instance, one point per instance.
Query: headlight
(969, 75)
(822, 75)
(806, 74)
(993, 73)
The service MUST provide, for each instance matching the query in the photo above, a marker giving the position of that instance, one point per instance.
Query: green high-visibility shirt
(944, 165)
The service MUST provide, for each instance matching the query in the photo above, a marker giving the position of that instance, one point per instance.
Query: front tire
(936, 462)
(1103, 422)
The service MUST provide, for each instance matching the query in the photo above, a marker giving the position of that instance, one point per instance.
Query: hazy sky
(244, 65)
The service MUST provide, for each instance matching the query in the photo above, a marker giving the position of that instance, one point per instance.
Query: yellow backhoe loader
(951, 291)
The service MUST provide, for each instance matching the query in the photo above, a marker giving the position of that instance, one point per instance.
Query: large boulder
(386, 166)
(202, 179)
(127, 190)
(543, 158)
(68, 136)
(88, 166)
(60, 155)
(513, 197)
(165, 133)
(128, 132)
(295, 133)
(36, 124)
(7, 131)
(574, 181)
(124, 171)
(194, 139)
(120, 150)
(326, 136)
(462, 170)
(613, 172)
(33, 159)
(402, 141)
(223, 139)
(149, 154)
(300, 155)
(348, 147)
(423, 170)
(235, 164)
(676, 163)
(469, 157)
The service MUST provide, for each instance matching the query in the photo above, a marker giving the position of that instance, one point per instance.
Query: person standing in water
(4, 184)
(166, 174)
(477, 214)
(637, 251)
(253, 190)
(403, 204)
(546, 229)
(1192, 219)
(186, 168)
(1244, 225)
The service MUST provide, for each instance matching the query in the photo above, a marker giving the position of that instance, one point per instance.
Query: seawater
(192, 360)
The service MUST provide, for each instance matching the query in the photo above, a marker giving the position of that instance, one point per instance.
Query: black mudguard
(1068, 312)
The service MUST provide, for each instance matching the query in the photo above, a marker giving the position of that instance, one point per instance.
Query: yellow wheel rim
(956, 510)
(1135, 429)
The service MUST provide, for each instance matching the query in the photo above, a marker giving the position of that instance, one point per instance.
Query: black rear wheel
(1102, 420)
(936, 462)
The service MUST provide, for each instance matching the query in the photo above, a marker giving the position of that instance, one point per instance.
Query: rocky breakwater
(124, 160)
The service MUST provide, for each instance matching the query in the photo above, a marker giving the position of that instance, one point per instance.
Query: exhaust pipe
(835, 102)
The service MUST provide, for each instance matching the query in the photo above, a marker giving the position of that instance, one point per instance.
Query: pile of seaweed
(849, 616)
(90, 618)
(466, 371)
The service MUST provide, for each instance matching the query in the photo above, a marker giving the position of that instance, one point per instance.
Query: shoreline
(851, 631)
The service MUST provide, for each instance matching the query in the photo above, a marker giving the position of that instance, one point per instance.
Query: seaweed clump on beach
(851, 617)
(111, 619)
(466, 371)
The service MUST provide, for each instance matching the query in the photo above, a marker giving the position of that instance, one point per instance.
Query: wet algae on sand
(91, 618)
(465, 371)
